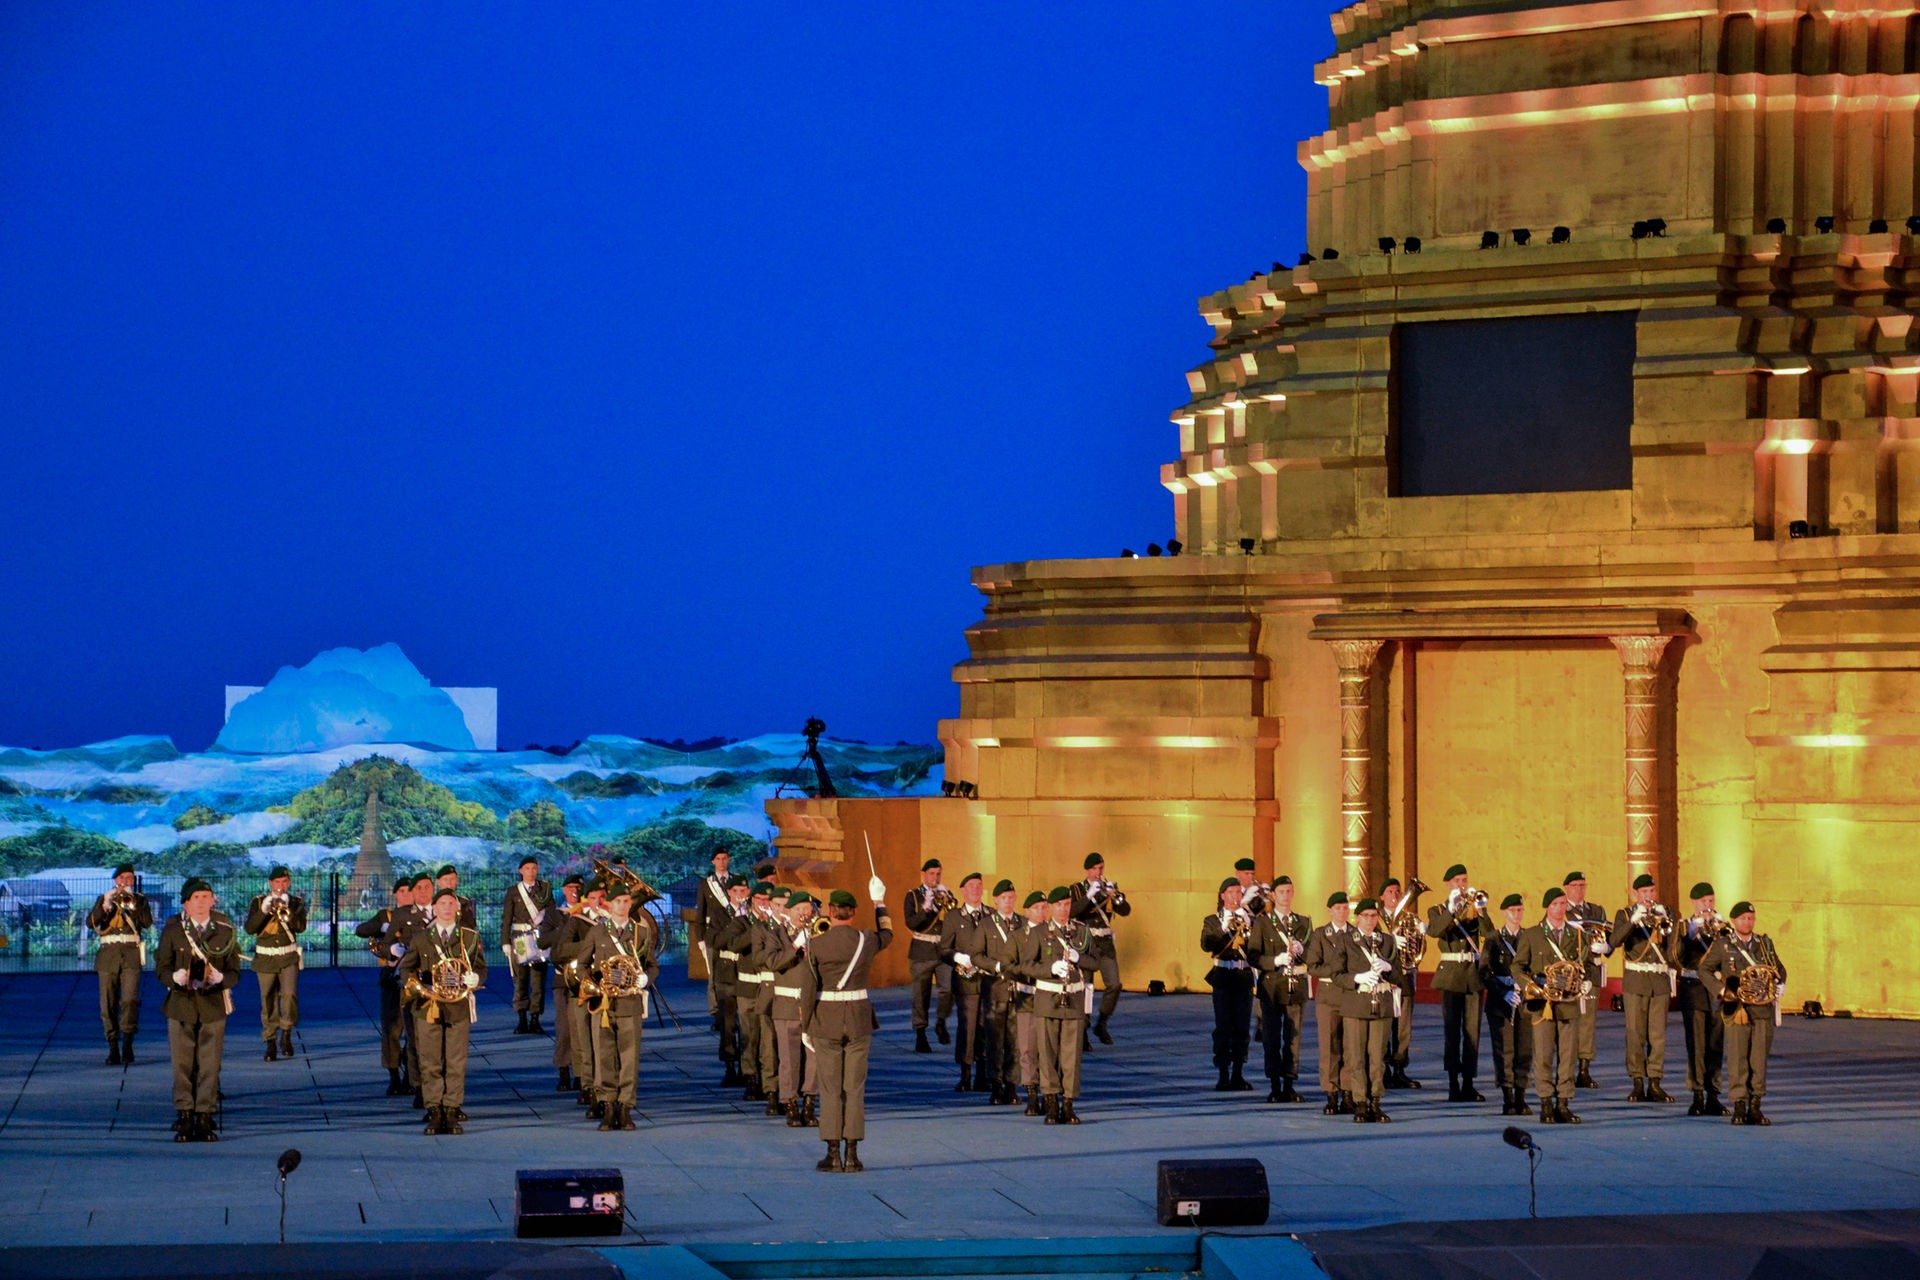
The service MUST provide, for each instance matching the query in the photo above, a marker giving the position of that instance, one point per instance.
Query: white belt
(1690, 975)
(1457, 955)
(752, 978)
(1646, 966)
(1101, 933)
(934, 938)
(1059, 988)
(106, 938)
(1229, 964)
(836, 997)
(729, 955)
(791, 993)
(276, 951)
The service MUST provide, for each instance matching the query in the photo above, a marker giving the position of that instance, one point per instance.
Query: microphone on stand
(288, 1162)
(1517, 1138)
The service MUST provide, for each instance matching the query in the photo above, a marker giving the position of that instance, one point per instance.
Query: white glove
(1422, 926)
(962, 959)
(1586, 989)
(1294, 949)
(806, 1042)
(1513, 999)
(1060, 968)
(399, 950)
(1639, 913)
(1453, 900)
(1366, 981)
(642, 983)
(213, 976)
(876, 891)
(180, 977)
(1073, 957)
(1599, 947)
(471, 979)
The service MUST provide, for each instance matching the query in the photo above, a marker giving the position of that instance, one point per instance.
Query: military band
(1366, 972)
(1507, 1027)
(198, 962)
(119, 920)
(275, 920)
(1458, 925)
(526, 904)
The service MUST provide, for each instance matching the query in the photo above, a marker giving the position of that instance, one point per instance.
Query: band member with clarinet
(1507, 1027)
(1060, 963)
(837, 1022)
(1278, 952)
(1643, 932)
(623, 951)
(1097, 902)
(198, 962)
(1367, 973)
(1459, 925)
(1226, 935)
(1744, 971)
(527, 904)
(443, 1020)
(999, 953)
(1595, 925)
(1325, 946)
(1699, 1019)
(926, 916)
(962, 938)
(1553, 1009)
(381, 930)
(552, 928)
(119, 920)
(565, 936)
(1394, 903)
(276, 919)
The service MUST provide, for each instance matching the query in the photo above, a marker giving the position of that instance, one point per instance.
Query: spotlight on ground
(1521, 235)
(1175, 546)
(1878, 227)
(1387, 244)
(1247, 545)
(1824, 224)
(1561, 235)
(1489, 239)
(1413, 244)
(1776, 226)
(1153, 548)
(1812, 1009)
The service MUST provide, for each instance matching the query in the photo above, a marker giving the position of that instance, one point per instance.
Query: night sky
(667, 368)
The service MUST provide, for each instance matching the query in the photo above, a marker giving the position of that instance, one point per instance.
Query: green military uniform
(799, 1083)
(1460, 930)
(1587, 1014)
(1699, 1019)
(119, 920)
(1058, 959)
(836, 1016)
(1226, 935)
(1647, 983)
(1555, 1023)
(710, 912)
(925, 912)
(964, 933)
(524, 907)
(1325, 946)
(1278, 950)
(1366, 973)
(443, 1028)
(745, 936)
(1507, 1025)
(198, 964)
(276, 923)
(1400, 1036)
(1748, 1028)
(999, 952)
(381, 930)
(563, 936)
(617, 1027)
(1097, 903)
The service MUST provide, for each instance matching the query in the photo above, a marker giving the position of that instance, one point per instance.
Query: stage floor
(86, 1157)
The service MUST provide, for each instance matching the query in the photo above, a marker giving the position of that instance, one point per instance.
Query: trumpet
(819, 925)
(1237, 934)
(1473, 904)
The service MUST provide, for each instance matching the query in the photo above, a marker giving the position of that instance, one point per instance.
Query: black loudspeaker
(1213, 1193)
(568, 1202)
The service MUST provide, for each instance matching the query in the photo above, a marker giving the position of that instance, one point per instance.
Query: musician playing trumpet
(1643, 931)
(1225, 936)
(624, 951)
(1699, 1020)
(1550, 964)
(442, 1028)
(276, 919)
(119, 920)
(1745, 972)
(926, 916)
(1459, 925)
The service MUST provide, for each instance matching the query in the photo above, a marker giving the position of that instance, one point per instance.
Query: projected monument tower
(1561, 511)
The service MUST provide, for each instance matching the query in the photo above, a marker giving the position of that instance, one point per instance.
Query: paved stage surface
(86, 1157)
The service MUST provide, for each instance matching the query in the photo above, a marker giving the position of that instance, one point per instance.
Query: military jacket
(1729, 957)
(1217, 940)
(926, 916)
(1501, 977)
(426, 948)
(184, 947)
(120, 925)
(1325, 946)
(563, 935)
(635, 940)
(1649, 964)
(380, 930)
(1053, 996)
(1462, 946)
(839, 962)
(1098, 912)
(790, 973)
(1540, 946)
(713, 910)
(1691, 942)
(514, 915)
(1355, 957)
(965, 932)
(1283, 975)
(276, 948)
(1596, 966)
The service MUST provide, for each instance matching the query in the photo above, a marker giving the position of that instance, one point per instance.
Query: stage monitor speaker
(1213, 1193)
(568, 1202)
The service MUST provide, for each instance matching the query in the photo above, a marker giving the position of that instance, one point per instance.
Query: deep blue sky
(667, 368)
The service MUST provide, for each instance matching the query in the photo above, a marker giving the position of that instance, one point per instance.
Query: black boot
(940, 1030)
(920, 1044)
(565, 1083)
(182, 1126)
(1287, 1092)
(1754, 1114)
(1223, 1083)
(982, 1083)
(1050, 1107)
(813, 1111)
(1033, 1101)
(1376, 1114)
(533, 1025)
(286, 1043)
(830, 1163)
(1238, 1083)
(774, 1108)
(205, 1131)
(520, 1027)
(1714, 1106)
(1740, 1112)
(126, 1051)
(1547, 1114)
(1066, 1111)
(273, 1051)
(419, 1098)
(597, 1110)
(753, 1091)
(1655, 1093)
(796, 1114)
(1273, 1091)
(585, 1099)
(459, 1114)
(1585, 1079)
(113, 1051)
(1333, 1104)
(1453, 1087)
(394, 1087)
(851, 1164)
(1362, 1112)
(1563, 1114)
(1347, 1103)
(626, 1118)
(1468, 1093)
(1521, 1107)
(730, 1078)
(966, 1080)
(1100, 1031)
(609, 1115)
(1639, 1092)
(451, 1119)
(1699, 1107)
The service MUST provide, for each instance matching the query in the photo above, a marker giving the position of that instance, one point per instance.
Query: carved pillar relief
(1640, 660)
(1356, 659)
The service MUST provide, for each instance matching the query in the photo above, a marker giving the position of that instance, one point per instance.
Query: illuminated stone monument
(1533, 549)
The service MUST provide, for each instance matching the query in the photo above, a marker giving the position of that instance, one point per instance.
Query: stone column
(1640, 658)
(1356, 659)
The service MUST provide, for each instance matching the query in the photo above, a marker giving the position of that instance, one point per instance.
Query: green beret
(1282, 880)
(1366, 904)
(125, 868)
(761, 889)
(737, 880)
(1551, 894)
(1035, 896)
(1643, 881)
(840, 898)
(766, 870)
(422, 878)
(529, 858)
(1059, 893)
(621, 889)
(779, 893)
(1740, 908)
(575, 878)
(193, 886)
(800, 897)
(1457, 869)
(1245, 864)
(444, 893)
(1337, 899)
(1093, 860)
(722, 852)
(1512, 900)
(1002, 886)
(446, 869)
(931, 864)
(1701, 890)
(1229, 883)
(1575, 875)
(279, 873)
(1393, 882)
(969, 878)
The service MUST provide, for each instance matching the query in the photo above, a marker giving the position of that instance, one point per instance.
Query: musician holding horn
(1550, 964)
(276, 919)
(1400, 917)
(1596, 923)
(1643, 932)
(119, 920)
(1745, 972)
(198, 962)
(1225, 935)
(1507, 1025)
(444, 965)
(1097, 903)
(381, 930)
(1459, 925)
(623, 952)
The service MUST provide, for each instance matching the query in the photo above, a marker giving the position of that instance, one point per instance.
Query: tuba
(1404, 924)
(447, 984)
(1563, 980)
(621, 875)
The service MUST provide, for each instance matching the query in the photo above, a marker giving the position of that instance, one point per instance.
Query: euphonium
(609, 874)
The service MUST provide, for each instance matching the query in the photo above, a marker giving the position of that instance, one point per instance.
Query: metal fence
(43, 919)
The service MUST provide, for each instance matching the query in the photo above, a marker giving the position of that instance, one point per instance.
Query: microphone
(1517, 1138)
(290, 1160)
